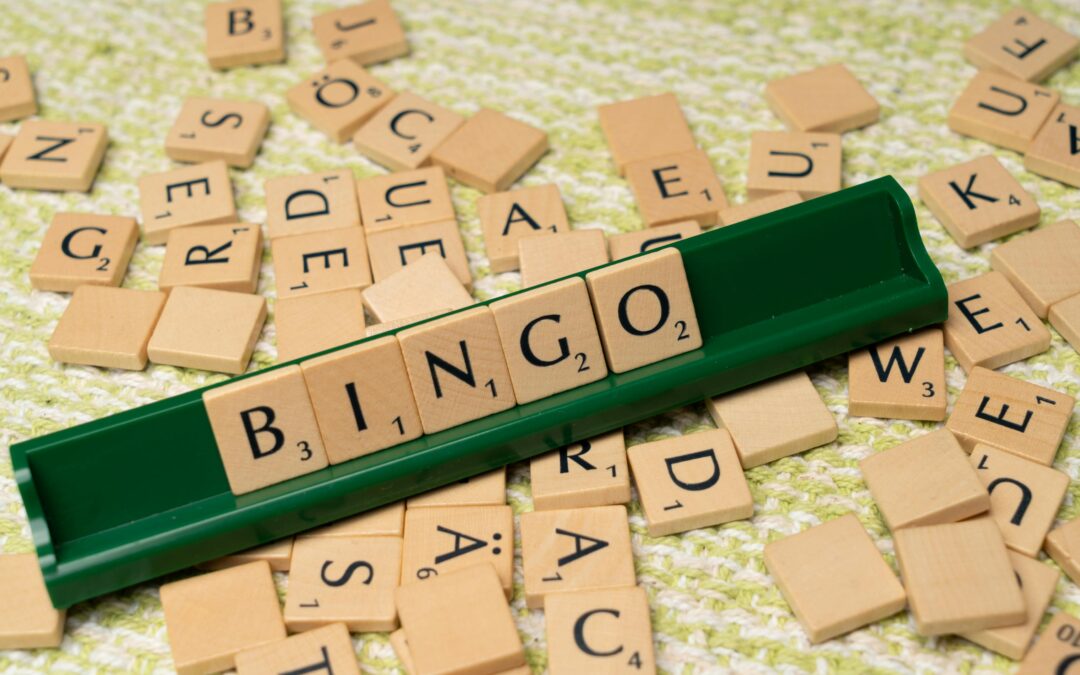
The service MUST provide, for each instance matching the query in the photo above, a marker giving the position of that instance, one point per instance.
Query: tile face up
(55, 156)
(193, 195)
(84, 248)
(208, 329)
(645, 127)
(1002, 110)
(443, 539)
(1022, 45)
(426, 286)
(903, 378)
(551, 256)
(671, 188)
(593, 472)
(311, 202)
(209, 129)
(1042, 265)
(1055, 650)
(828, 98)
(990, 325)
(757, 207)
(490, 151)
(786, 161)
(407, 198)
(339, 99)
(329, 648)
(1065, 318)
(508, 217)
(834, 578)
(632, 243)
(107, 327)
(406, 131)
(366, 33)
(487, 489)
(1055, 152)
(318, 262)
(600, 632)
(28, 620)
(311, 323)
(226, 257)
(393, 249)
(244, 32)
(16, 89)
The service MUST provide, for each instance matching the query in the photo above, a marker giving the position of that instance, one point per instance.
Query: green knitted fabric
(130, 63)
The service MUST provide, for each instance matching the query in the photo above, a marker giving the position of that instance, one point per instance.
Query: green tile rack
(139, 494)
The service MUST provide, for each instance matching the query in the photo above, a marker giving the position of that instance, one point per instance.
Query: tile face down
(106, 326)
(84, 248)
(28, 620)
(208, 329)
(828, 98)
(426, 286)
(490, 151)
(311, 323)
(548, 257)
(244, 33)
(1042, 265)
(990, 325)
(644, 127)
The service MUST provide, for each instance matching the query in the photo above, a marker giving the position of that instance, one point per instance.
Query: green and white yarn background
(129, 64)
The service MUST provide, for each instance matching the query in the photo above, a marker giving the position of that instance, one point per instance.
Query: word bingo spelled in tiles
(675, 187)
(339, 99)
(207, 328)
(16, 89)
(193, 195)
(757, 207)
(1055, 152)
(590, 473)
(553, 256)
(828, 98)
(783, 161)
(632, 243)
(1042, 265)
(311, 202)
(83, 248)
(1057, 649)
(401, 199)
(365, 33)
(423, 286)
(1037, 583)
(642, 128)
(507, 217)
(244, 33)
(393, 249)
(311, 323)
(490, 151)
(209, 129)
(327, 649)
(54, 156)
(316, 262)
(225, 257)
(404, 133)
(903, 378)
(1022, 45)
(487, 489)
(442, 539)
(600, 631)
(29, 620)
(990, 325)
(106, 326)
(1002, 110)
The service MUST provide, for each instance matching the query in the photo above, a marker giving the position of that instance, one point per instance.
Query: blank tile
(393, 249)
(107, 327)
(16, 89)
(644, 127)
(407, 198)
(1002, 110)
(226, 257)
(593, 472)
(244, 33)
(675, 187)
(404, 133)
(192, 195)
(317, 262)
(1054, 152)
(441, 540)
(508, 217)
(312, 323)
(902, 378)
(311, 202)
(1022, 45)
(483, 490)
(329, 648)
(339, 99)
(774, 419)
(632, 243)
(208, 329)
(552, 256)
(757, 207)
(28, 619)
(210, 128)
(600, 632)
(277, 554)
(834, 578)
(366, 33)
(424, 286)
(1065, 318)
(789, 161)
(1056, 646)
(827, 98)
(990, 325)
(84, 248)
(490, 151)
(48, 155)
(1043, 265)
(1063, 545)
(386, 521)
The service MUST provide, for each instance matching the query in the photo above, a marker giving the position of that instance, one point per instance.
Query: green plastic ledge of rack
(142, 493)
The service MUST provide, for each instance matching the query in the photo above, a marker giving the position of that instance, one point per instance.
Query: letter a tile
(903, 378)
(328, 649)
(645, 127)
(55, 156)
(1042, 265)
(508, 217)
(990, 325)
(604, 631)
(593, 472)
(442, 539)
(1002, 110)
(783, 161)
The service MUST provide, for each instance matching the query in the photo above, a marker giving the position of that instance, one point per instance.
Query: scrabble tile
(690, 481)
(400, 645)
(226, 257)
(791, 161)
(407, 198)
(1065, 318)
(208, 329)
(312, 323)
(265, 429)
(631, 243)
(1063, 546)
(834, 578)
(328, 648)
(1002, 110)
(441, 540)
(550, 340)
(924, 481)
(277, 554)
(508, 217)
(958, 577)
(459, 623)
(600, 631)
(490, 151)
(191, 195)
(1024, 496)
(28, 619)
(423, 287)
(774, 419)
(16, 89)
(574, 550)
(311, 203)
(365, 33)
(1016, 416)
(392, 250)
(902, 378)
(590, 473)
(483, 490)
(978, 201)
(84, 248)
(386, 521)
(645, 127)
(1037, 583)
(644, 310)
(1055, 152)
(990, 325)
(350, 580)
(107, 327)
(757, 207)
(339, 99)
(1056, 650)
(827, 98)
(1022, 45)
(404, 133)
(317, 262)
(389, 326)
(548, 257)
(210, 128)
(362, 399)
(671, 188)
(1043, 265)
(55, 156)
(5, 142)
(244, 33)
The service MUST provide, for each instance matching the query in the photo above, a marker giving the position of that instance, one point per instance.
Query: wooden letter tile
(244, 32)
(328, 648)
(828, 98)
(212, 617)
(107, 327)
(55, 156)
(958, 577)
(311, 202)
(424, 286)
(645, 127)
(82, 248)
(210, 128)
(785, 161)
(192, 195)
(404, 133)
(507, 217)
(490, 151)
(5, 143)
(644, 310)
(1016, 416)
(208, 329)
(1043, 265)
(362, 399)
(387, 521)
(339, 99)
(757, 207)
(265, 429)
(343, 579)
(1022, 45)
(393, 249)
(488, 489)
(834, 578)
(441, 540)
(978, 201)
(903, 378)
(1055, 152)
(1057, 649)
(590, 473)
(774, 419)
(365, 33)
(318, 262)
(400, 645)
(226, 257)
(277, 554)
(691, 481)
(1063, 545)
(1002, 110)
(392, 326)
(605, 631)
(553, 256)
(28, 620)
(312, 323)
(1065, 318)
(671, 188)
(990, 325)
(16, 89)
(632, 243)
(408, 198)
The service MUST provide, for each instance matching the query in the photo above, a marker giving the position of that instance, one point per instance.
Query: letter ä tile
(54, 156)
(328, 649)
(426, 286)
(440, 540)
(192, 195)
(785, 161)
(990, 325)
(600, 631)
(244, 32)
(593, 472)
(83, 248)
(339, 99)
(311, 203)
(106, 326)
(406, 131)
(828, 98)
(208, 329)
